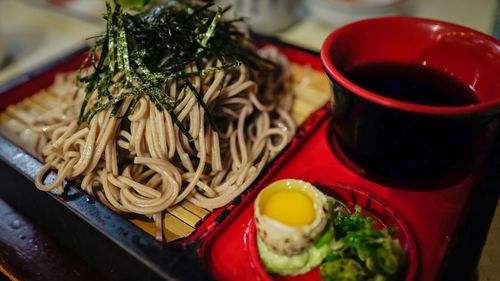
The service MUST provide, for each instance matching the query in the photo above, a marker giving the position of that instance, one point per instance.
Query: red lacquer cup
(386, 138)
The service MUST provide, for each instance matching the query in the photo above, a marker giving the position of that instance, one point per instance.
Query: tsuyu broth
(412, 83)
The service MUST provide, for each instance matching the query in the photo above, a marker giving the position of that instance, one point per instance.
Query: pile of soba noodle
(143, 164)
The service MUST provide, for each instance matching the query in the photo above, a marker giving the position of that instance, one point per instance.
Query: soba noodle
(143, 164)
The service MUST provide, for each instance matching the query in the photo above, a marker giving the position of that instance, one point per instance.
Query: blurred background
(37, 33)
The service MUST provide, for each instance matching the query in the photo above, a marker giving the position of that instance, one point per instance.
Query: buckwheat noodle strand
(143, 164)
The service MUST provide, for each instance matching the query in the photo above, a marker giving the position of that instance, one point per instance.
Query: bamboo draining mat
(311, 90)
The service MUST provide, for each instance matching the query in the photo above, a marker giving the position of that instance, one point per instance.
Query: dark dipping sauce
(412, 83)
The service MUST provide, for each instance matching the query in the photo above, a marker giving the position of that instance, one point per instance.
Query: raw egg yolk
(290, 207)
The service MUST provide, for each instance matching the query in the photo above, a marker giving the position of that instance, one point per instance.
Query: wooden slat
(17, 132)
(184, 215)
(11, 124)
(174, 228)
(317, 80)
(39, 107)
(46, 99)
(311, 89)
(200, 212)
(22, 115)
(312, 97)
(148, 226)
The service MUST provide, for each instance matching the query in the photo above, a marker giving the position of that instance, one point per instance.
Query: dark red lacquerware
(383, 137)
(432, 214)
(469, 55)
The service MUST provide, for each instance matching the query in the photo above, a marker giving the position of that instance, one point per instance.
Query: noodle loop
(143, 164)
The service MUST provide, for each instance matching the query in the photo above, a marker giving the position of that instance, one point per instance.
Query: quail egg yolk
(290, 207)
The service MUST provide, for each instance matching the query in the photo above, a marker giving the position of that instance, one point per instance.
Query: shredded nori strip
(154, 46)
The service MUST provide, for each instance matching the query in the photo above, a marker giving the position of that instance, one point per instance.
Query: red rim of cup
(334, 73)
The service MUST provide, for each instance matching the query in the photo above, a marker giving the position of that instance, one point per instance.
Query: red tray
(432, 210)
(432, 214)
(241, 235)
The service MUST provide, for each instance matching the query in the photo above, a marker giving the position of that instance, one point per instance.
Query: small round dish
(349, 195)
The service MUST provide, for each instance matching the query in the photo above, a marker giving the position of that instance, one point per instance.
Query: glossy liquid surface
(412, 83)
